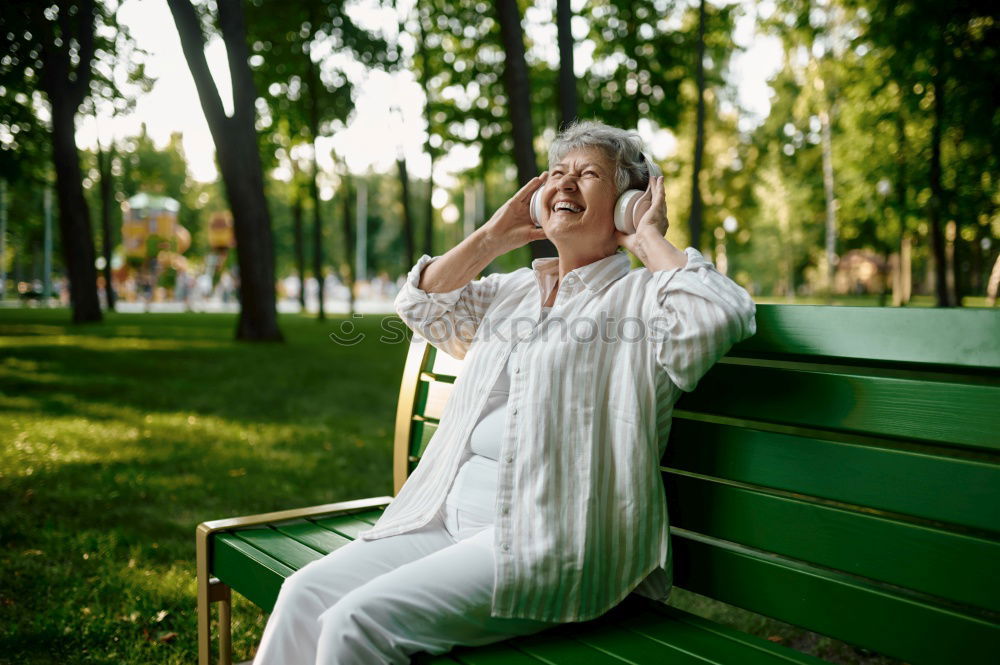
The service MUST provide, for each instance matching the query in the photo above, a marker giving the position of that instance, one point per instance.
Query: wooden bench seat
(839, 471)
(258, 558)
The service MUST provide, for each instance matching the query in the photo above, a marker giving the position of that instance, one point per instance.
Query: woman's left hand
(653, 224)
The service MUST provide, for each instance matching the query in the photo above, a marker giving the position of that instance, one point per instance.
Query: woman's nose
(567, 182)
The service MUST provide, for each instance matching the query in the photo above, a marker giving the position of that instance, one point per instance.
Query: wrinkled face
(579, 197)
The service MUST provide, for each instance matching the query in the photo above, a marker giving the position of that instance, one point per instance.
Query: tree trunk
(567, 77)
(517, 85)
(3, 239)
(404, 184)
(828, 193)
(935, 206)
(107, 198)
(695, 222)
(903, 298)
(425, 83)
(300, 250)
(239, 161)
(317, 236)
(65, 94)
(74, 215)
(348, 241)
(313, 83)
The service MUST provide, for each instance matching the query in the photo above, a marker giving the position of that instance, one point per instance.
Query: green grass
(119, 438)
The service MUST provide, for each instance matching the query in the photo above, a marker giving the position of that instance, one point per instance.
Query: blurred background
(169, 156)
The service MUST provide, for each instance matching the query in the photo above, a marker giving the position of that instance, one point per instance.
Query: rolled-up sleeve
(448, 320)
(697, 314)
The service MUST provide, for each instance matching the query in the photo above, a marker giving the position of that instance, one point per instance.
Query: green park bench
(839, 471)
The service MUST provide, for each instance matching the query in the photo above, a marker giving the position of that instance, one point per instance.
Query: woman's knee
(305, 588)
(359, 629)
(355, 607)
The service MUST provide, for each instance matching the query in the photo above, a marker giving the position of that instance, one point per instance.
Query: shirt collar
(595, 276)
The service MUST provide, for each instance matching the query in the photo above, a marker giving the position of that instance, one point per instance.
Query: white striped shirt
(581, 517)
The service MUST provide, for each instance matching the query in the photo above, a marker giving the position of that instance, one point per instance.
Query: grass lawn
(119, 438)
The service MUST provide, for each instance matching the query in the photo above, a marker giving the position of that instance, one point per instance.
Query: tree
(104, 161)
(423, 52)
(292, 44)
(518, 86)
(695, 220)
(235, 140)
(567, 77)
(53, 47)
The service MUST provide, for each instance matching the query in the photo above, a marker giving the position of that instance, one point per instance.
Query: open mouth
(567, 207)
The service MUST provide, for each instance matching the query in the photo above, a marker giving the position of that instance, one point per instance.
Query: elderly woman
(538, 501)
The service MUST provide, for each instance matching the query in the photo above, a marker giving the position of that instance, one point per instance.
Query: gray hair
(625, 148)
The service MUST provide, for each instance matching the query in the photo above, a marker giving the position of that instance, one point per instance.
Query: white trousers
(378, 601)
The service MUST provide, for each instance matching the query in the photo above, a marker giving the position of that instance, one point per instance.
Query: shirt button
(504, 546)
(504, 510)
(508, 459)
(517, 370)
(514, 410)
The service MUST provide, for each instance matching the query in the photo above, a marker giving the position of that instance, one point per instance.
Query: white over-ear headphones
(629, 208)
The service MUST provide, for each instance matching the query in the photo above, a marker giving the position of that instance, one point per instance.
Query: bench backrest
(839, 471)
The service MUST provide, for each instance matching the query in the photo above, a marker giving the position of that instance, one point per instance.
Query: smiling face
(579, 198)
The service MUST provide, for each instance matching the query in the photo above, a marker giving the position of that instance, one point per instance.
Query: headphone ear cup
(535, 207)
(625, 218)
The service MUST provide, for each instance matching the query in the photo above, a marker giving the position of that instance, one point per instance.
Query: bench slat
(278, 546)
(247, 570)
(693, 634)
(434, 396)
(498, 653)
(713, 629)
(634, 647)
(832, 604)
(929, 560)
(320, 539)
(422, 433)
(640, 648)
(936, 409)
(944, 412)
(965, 337)
(555, 647)
(350, 525)
(859, 474)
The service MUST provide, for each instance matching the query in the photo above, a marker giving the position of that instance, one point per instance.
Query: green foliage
(871, 65)
(114, 76)
(644, 52)
(297, 60)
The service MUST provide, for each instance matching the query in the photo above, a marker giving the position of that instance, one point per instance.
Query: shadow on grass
(121, 437)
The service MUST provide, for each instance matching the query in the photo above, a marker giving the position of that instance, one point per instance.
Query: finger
(524, 194)
(538, 234)
(658, 203)
(658, 190)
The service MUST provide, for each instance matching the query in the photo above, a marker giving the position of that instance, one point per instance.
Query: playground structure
(154, 243)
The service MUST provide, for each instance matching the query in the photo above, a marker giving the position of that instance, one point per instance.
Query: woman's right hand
(510, 226)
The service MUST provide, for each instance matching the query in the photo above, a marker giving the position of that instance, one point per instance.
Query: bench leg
(225, 626)
(214, 591)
